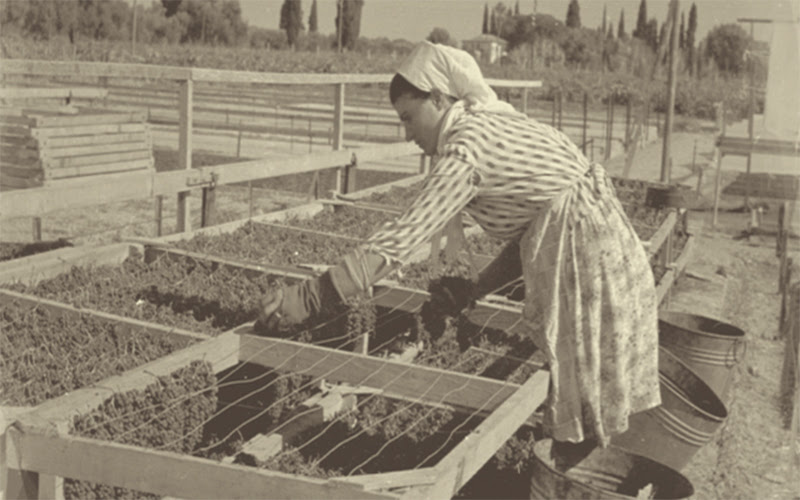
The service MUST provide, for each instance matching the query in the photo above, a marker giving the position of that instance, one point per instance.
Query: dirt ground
(735, 279)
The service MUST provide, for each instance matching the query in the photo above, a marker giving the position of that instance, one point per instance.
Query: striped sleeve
(446, 191)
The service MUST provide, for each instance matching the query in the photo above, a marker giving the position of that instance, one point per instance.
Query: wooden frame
(39, 450)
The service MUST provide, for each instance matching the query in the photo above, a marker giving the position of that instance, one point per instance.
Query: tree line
(726, 45)
(217, 22)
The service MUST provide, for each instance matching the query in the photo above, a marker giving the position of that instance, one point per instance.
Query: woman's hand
(449, 297)
(270, 315)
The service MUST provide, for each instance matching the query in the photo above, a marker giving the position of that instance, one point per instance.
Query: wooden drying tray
(38, 443)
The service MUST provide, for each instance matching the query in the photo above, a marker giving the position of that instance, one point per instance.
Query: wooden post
(560, 106)
(310, 137)
(209, 203)
(751, 110)
(779, 241)
(525, 100)
(423, 164)
(553, 119)
(184, 222)
(159, 204)
(671, 86)
(349, 182)
(239, 142)
(249, 199)
(37, 229)
(786, 279)
(610, 127)
(790, 387)
(585, 118)
(627, 122)
(338, 130)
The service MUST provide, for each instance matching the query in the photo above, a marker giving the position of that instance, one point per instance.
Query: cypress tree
(691, 29)
(291, 20)
(682, 34)
(621, 27)
(573, 15)
(313, 23)
(641, 22)
(485, 19)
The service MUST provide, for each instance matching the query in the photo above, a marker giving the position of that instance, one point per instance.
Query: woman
(590, 297)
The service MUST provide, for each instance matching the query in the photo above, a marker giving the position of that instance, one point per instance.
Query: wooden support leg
(37, 229)
(209, 202)
(159, 207)
(184, 221)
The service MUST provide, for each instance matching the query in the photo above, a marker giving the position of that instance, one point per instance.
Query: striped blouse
(499, 168)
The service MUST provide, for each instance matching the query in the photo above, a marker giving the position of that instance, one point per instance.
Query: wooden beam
(93, 69)
(52, 93)
(422, 383)
(655, 242)
(57, 174)
(109, 188)
(60, 309)
(221, 351)
(152, 253)
(393, 480)
(744, 146)
(99, 145)
(228, 77)
(104, 128)
(165, 473)
(113, 118)
(476, 449)
(663, 287)
(338, 117)
(184, 221)
(32, 269)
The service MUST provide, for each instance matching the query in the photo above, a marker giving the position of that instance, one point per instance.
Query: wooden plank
(228, 77)
(57, 413)
(663, 286)
(18, 141)
(50, 264)
(171, 182)
(93, 69)
(134, 142)
(338, 117)
(744, 146)
(479, 446)
(52, 93)
(184, 220)
(81, 161)
(89, 119)
(423, 384)
(17, 121)
(8, 180)
(103, 168)
(307, 210)
(22, 172)
(71, 143)
(16, 155)
(392, 480)
(105, 128)
(15, 130)
(165, 473)
(522, 84)
(152, 253)
(60, 309)
(656, 241)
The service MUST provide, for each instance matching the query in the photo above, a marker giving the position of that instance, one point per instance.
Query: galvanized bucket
(710, 347)
(605, 473)
(689, 415)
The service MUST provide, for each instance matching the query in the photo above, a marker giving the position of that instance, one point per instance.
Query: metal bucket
(689, 415)
(604, 473)
(710, 347)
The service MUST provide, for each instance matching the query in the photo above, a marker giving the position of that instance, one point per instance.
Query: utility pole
(671, 82)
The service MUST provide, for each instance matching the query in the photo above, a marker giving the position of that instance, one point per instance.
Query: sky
(413, 20)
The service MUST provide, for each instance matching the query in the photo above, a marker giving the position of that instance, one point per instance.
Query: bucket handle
(736, 348)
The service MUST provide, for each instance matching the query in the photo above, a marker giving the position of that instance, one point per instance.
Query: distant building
(485, 48)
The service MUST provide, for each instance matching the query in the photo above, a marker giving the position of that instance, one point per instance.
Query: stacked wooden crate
(42, 147)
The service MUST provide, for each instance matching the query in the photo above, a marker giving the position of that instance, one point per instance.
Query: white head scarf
(453, 72)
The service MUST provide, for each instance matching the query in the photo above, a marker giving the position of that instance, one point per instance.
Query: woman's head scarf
(454, 72)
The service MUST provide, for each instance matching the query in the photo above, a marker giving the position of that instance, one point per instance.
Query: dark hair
(400, 87)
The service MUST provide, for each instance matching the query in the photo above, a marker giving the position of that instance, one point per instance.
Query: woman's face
(421, 119)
